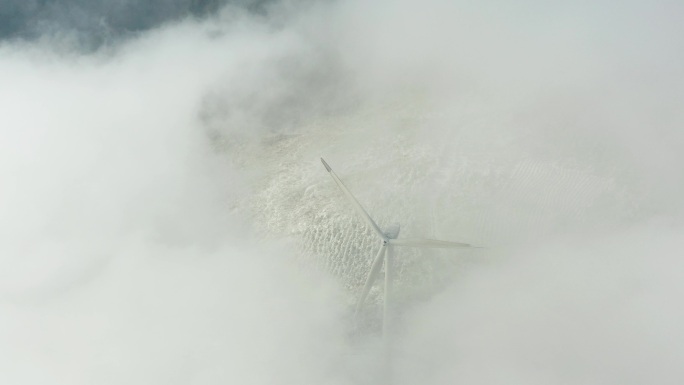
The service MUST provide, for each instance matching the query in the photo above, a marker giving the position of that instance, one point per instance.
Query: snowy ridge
(510, 198)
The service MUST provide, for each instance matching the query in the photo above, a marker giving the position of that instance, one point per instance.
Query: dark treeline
(94, 22)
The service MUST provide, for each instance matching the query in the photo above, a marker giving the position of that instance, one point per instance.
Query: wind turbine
(389, 239)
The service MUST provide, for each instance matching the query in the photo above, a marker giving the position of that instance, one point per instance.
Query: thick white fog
(165, 219)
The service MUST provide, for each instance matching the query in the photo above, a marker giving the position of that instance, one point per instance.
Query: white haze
(144, 237)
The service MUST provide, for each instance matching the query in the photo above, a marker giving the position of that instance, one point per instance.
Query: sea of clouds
(158, 188)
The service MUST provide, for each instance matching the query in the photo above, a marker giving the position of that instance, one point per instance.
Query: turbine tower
(389, 239)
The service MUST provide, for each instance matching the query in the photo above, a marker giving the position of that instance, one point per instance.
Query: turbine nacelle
(390, 238)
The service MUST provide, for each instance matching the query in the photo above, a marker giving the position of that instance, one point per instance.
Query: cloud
(160, 195)
(125, 257)
(596, 310)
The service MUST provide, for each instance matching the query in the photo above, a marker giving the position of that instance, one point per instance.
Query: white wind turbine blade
(423, 242)
(354, 202)
(372, 277)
